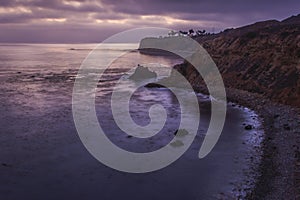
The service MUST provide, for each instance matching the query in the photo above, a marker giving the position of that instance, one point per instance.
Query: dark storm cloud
(7, 3)
(56, 33)
(229, 12)
(108, 16)
(200, 6)
(15, 18)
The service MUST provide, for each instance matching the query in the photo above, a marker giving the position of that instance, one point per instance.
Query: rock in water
(154, 85)
(181, 132)
(142, 73)
(177, 143)
(249, 127)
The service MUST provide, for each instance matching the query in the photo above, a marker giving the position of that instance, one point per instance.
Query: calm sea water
(40, 70)
(44, 157)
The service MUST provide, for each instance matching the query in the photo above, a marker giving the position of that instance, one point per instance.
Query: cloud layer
(94, 20)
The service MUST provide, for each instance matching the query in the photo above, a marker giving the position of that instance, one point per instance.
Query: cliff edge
(261, 58)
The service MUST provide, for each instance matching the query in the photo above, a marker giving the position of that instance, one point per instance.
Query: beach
(279, 167)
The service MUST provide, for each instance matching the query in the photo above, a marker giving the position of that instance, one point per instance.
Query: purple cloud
(109, 16)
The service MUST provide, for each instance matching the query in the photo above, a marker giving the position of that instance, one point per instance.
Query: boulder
(249, 127)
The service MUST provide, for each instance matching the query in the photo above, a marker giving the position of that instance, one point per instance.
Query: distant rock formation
(147, 44)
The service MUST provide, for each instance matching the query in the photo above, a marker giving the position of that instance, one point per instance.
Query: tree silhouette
(183, 32)
(191, 32)
(199, 32)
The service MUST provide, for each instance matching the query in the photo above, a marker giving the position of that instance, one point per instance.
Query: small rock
(286, 127)
(177, 143)
(181, 132)
(276, 116)
(6, 165)
(249, 127)
(129, 136)
(154, 85)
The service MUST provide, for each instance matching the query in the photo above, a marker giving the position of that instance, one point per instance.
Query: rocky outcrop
(142, 73)
(261, 58)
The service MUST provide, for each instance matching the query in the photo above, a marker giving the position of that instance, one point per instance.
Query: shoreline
(279, 167)
(278, 173)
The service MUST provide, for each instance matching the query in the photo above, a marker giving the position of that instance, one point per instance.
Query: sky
(89, 21)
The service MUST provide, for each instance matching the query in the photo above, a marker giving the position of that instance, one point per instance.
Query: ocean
(43, 157)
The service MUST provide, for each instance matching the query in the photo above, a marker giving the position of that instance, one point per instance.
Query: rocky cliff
(261, 58)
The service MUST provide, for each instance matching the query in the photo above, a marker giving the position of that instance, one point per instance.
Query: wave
(108, 49)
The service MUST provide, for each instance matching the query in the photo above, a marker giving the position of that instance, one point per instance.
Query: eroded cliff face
(261, 58)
